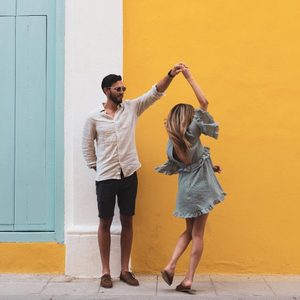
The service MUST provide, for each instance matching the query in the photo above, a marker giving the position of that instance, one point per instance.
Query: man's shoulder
(94, 113)
(128, 103)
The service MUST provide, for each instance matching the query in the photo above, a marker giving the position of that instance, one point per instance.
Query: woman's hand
(217, 169)
(187, 73)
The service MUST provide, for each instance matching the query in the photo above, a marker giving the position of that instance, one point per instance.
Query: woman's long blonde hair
(179, 118)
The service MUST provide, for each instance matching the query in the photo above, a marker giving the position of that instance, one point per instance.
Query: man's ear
(105, 90)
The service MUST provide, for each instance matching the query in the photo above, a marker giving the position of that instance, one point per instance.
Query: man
(115, 161)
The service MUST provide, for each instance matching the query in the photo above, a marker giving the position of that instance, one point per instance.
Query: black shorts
(125, 189)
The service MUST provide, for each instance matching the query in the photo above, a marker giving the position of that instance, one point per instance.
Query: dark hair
(109, 80)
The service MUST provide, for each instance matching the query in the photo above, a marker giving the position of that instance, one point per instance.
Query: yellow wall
(32, 258)
(245, 55)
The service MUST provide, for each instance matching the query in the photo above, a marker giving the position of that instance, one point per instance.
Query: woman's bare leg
(197, 248)
(182, 243)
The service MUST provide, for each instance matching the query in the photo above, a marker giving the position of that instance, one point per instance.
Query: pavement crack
(213, 284)
(45, 286)
(269, 286)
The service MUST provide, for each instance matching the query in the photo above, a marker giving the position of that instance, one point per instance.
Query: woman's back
(202, 123)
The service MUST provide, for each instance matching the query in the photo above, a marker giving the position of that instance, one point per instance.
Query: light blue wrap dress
(198, 187)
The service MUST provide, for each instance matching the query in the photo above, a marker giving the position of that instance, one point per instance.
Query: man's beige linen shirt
(115, 147)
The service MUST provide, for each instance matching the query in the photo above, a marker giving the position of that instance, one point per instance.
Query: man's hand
(164, 83)
(217, 169)
(177, 69)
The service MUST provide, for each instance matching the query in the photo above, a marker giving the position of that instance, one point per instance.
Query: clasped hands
(181, 67)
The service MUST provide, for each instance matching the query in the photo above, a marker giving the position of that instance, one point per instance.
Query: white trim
(93, 49)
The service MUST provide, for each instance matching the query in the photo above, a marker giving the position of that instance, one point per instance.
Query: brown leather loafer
(129, 278)
(106, 281)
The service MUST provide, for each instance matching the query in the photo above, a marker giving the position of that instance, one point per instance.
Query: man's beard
(115, 99)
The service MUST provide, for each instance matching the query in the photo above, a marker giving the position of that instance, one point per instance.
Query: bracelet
(169, 74)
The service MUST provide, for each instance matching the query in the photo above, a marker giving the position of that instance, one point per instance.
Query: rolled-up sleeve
(88, 145)
(141, 103)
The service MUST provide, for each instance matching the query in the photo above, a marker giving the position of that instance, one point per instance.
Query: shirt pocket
(106, 135)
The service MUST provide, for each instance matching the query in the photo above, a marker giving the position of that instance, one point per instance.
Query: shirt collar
(102, 106)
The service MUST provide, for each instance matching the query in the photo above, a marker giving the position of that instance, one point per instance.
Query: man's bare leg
(104, 243)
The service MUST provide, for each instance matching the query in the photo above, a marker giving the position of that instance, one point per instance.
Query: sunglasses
(118, 88)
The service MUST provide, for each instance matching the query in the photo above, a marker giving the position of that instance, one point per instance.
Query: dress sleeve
(206, 123)
(168, 168)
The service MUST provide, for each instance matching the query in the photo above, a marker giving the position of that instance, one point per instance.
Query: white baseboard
(82, 254)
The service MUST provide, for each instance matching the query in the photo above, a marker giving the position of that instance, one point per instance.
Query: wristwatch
(169, 74)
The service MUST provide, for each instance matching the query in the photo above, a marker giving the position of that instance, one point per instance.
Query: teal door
(28, 121)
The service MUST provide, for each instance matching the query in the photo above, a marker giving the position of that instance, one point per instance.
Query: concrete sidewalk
(225, 287)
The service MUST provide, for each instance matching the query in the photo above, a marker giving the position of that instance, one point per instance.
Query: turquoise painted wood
(7, 124)
(28, 236)
(59, 119)
(8, 7)
(32, 203)
(37, 203)
(37, 7)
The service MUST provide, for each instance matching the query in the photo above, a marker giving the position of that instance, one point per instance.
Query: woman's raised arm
(196, 88)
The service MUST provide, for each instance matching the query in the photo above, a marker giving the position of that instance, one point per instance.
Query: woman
(198, 188)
